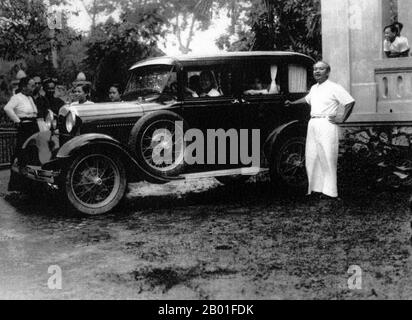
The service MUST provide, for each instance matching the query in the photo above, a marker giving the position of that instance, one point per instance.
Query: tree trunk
(53, 49)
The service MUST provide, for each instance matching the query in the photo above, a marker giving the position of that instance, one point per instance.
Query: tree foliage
(111, 48)
(115, 46)
(24, 30)
(96, 8)
(181, 18)
(276, 25)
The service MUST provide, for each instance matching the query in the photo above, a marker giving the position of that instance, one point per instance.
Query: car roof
(172, 60)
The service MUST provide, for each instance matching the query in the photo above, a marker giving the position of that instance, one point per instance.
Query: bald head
(321, 71)
(324, 64)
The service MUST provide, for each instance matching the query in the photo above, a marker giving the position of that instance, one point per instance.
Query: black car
(181, 117)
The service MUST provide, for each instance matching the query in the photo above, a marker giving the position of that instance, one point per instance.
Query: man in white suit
(322, 142)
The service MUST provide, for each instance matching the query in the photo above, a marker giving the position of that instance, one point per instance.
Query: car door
(262, 94)
(210, 113)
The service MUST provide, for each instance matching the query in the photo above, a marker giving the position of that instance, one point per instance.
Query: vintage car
(92, 151)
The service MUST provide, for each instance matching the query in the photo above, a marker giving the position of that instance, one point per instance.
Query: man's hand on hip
(333, 120)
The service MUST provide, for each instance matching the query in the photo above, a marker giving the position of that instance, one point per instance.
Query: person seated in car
(208, 85)
(193, 88)
(394, 45)
(259, 88)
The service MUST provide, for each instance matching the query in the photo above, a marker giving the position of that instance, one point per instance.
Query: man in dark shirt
(39, 98)
(53, 103)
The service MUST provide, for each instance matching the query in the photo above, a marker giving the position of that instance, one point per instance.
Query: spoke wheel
(288, 164)
(162, 149)
(157, 141)
(95, 183)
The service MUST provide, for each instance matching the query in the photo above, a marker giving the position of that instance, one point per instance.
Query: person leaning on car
(22, 110)
(322, 142)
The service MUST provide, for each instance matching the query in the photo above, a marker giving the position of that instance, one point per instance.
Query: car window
(150, 82)
(260, 79)
(298, 79)
(208, 82)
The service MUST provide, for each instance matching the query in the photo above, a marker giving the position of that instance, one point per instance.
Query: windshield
(150, 82)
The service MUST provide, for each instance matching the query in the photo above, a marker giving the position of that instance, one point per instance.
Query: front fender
(76, 143)
(106, 143)
(294, 127)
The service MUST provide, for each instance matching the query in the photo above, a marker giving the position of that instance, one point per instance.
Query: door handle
(244, 101)
(235, 101)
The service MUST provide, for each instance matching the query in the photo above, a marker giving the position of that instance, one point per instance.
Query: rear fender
(296, 128)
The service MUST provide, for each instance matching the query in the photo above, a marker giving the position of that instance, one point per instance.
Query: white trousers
(322, 149)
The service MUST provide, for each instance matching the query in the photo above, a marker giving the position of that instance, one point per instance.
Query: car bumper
(36, 173)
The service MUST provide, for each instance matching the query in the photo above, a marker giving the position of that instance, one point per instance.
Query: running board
(223, 173)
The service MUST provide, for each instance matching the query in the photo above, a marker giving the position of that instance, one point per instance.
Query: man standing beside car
(22, 110)
(53, 103)
(322, 142)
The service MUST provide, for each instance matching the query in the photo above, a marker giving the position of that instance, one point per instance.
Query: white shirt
(20, 106)
(326, 98)
(212, 93)
(399, 45)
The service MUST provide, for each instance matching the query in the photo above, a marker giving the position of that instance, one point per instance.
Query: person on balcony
(394, 45)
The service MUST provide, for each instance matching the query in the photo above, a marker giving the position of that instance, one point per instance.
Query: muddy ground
(202, 240)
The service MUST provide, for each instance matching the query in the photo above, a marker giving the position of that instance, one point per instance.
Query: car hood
(111, 110)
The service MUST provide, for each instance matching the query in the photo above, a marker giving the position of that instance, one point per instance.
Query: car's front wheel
(287, 167)
(94, 183)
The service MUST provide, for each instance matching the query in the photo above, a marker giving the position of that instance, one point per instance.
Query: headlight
(50, 121)
(70, 121)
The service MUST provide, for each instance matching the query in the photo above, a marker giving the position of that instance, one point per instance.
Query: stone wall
(376, 156)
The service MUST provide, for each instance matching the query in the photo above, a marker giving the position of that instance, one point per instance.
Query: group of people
(29, 105)
(395, 45)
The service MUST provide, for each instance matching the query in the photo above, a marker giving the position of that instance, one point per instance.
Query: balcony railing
(387, 99)
(394, 82)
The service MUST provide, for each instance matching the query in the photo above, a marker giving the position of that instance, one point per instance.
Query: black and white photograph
(205, 150)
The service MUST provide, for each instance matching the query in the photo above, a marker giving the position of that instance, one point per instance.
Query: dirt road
(201, 240)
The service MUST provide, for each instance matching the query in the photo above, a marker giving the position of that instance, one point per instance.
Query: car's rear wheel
(95, 183)
(287, 167)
